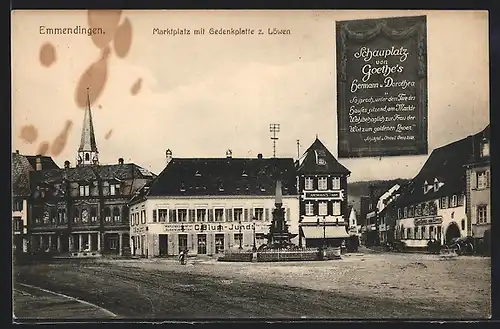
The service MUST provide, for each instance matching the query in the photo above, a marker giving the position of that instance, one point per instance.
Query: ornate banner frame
(401, 32)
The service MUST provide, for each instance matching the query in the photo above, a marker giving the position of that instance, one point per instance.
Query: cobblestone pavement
(377, 285)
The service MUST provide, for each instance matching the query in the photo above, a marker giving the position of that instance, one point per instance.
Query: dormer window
(182, 189)
(198, 174)
(114, 189)
(320, 157)
(244, 174)
(84, 190)
(321, 162)
(485, 148)
(436, 185)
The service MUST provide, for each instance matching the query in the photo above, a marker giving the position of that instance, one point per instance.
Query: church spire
(87, 152)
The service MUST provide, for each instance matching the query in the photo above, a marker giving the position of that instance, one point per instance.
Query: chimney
(17, 151)
(168, 156)
(38, 163)
(66, 164)
(120, 161)
(229, 154)
(259, 156)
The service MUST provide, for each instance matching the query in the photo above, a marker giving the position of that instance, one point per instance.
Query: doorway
(452, 232)
(163, 244)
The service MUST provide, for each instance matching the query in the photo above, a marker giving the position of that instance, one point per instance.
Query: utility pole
(274, 128)
(298, 148)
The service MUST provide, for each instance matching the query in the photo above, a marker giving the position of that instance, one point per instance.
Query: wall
(479, 197)
(150, 230)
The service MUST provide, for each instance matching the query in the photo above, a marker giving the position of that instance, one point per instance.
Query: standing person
(185, 256)
(181, 257)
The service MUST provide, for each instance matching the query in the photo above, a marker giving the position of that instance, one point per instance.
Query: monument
(279, 237)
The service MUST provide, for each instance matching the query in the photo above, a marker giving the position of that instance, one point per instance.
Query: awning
(329, 232)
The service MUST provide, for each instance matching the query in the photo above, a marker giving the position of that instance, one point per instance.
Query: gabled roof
(222, 176)
(478, 142)
(22, 165)
(116, 172)
(445, 163)
(309, 162)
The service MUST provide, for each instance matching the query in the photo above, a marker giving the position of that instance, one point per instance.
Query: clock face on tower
(85, 216)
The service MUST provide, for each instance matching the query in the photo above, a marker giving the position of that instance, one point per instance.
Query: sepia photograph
(250, 164)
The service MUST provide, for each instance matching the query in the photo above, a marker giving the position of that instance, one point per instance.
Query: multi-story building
(211, 205)
(478, 195)
(432, 205)
(322, 186)
(83, 210)
(384, 214)
(22, 165)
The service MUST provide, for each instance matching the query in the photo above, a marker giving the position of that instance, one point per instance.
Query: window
(336, 208)
(322, 183)
(423, 232)
(84, 190)
(136, 218)
(443, 203)
(463, 224)
(425, 209)
(114, 189)
(323, 208)
(431, 232)
(405, 212)
(336, 183)
(308, 183)
(418, 210)
(201, 215)
(238, 239)
(219, 243)
(309, 209)
(411, 211)
(154, 216)
(408, 233)
(482, 214)
(415, 233)
(192, 215)
(162, 215)
(87, 157)
(116, 214)
(259, 214)
(202, 244)
(172, 216)
(399, 213)
(107, 214)
(17, 206)
(182, 215)
(482, 180)
(321, 161)
(18, 224)
(93, 215)
(454, 201)
(485, 149)
(238, 214)
(182, 242)
(460, 200)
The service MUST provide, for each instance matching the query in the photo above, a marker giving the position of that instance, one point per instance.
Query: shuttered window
(267, 214)
(210, 215)
(229, 217)
(154, 216)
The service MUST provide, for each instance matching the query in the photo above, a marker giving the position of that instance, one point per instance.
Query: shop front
(169, 239)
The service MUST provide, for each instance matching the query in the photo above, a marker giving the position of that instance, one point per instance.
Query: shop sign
(428, 221)
(321, 195)
(209, 227)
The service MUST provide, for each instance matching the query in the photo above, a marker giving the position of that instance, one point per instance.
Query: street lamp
(254, 249)
(324, 231)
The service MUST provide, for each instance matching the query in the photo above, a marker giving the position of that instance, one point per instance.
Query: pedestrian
(181, 257)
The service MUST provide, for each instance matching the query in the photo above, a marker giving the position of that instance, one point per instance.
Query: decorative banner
(382, 87)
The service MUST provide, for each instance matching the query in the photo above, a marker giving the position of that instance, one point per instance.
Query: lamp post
(254, 249)
(324, 231)
(239, 229)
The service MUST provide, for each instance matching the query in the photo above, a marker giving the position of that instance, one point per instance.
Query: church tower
(87, 152)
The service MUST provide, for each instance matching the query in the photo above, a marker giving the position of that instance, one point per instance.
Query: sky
(201, 95)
